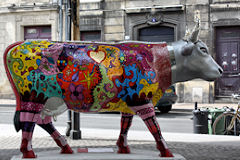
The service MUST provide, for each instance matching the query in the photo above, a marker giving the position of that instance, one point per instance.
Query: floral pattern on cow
(90, 77)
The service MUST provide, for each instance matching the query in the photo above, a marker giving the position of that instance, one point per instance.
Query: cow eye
(204, 50)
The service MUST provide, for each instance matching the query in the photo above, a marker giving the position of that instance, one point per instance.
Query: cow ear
(187, 49)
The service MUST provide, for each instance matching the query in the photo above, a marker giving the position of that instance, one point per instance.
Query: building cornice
(225, 7)
(155, 8)
(91, 13)
(28, 8)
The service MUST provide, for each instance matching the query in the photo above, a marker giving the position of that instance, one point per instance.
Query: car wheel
(165, 109)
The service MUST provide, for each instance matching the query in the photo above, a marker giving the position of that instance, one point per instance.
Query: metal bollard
(75, 133)
(200, 120)
(69, 123)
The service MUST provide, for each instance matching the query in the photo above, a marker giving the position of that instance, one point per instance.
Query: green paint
(45, 86)
(12, 60)
(100, 89)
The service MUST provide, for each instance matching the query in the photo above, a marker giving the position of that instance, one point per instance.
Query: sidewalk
(175, 106)
(190, 106)
(136, 154)
(190, 146)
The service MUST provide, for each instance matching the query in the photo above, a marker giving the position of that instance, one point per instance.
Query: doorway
(228, 57)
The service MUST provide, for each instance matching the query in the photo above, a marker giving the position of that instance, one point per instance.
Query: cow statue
(129, 77)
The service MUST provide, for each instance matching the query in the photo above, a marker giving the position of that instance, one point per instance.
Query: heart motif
(97, 56)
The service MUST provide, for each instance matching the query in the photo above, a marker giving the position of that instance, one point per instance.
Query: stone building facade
(156, 20)
(15, 16)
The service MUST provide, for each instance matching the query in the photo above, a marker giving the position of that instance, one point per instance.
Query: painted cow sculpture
(129, 77)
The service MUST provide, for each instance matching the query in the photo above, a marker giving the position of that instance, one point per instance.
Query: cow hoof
(124, 150)
(66, 150)
(25, 152)
(166, 153)
(121, 147)
(29, 154)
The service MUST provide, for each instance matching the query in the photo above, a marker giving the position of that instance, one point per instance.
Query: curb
(136, 154)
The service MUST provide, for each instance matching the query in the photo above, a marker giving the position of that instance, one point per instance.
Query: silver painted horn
(193, 36)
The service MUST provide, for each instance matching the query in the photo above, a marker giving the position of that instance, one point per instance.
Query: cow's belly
(54, 106)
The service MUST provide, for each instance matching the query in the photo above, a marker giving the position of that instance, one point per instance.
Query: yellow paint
(89, 79)
(158, 94)
(148, 87)
(119, 106)
(116, 69)
(22, 71)
(169, 90)
(97, 56)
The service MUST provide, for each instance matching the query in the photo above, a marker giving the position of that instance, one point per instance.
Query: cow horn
(194, 36)
(187, 34)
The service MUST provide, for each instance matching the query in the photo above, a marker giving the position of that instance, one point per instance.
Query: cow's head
(193, 60)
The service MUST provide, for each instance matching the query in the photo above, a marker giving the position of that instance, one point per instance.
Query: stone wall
(113, 20)
(7, 26)
(12, 30)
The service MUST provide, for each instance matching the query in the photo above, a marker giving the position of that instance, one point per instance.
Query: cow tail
(18, 102)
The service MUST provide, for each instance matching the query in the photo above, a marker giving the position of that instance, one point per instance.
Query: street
(174, 121)
(102, 129)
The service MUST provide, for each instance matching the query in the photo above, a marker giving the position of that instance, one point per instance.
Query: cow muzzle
(220, 71)
(214, 74)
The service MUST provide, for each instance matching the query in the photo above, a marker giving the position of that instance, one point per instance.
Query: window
(37, 32)
(90, 35)
(156, 34)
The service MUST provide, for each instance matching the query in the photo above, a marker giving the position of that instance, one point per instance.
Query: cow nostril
(220, 70)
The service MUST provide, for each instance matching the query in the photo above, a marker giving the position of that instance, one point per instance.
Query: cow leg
(126, 121)
(26, 145)
(47, 125)
(146, 112)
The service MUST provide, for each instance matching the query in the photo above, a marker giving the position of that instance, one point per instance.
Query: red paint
(82, 150)
(9, 75)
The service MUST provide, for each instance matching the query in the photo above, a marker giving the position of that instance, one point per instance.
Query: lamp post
(72, 33)
(67, 8)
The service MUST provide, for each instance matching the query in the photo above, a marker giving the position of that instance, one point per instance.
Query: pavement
(185, 145)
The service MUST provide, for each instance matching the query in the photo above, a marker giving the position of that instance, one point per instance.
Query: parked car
(169, 97)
